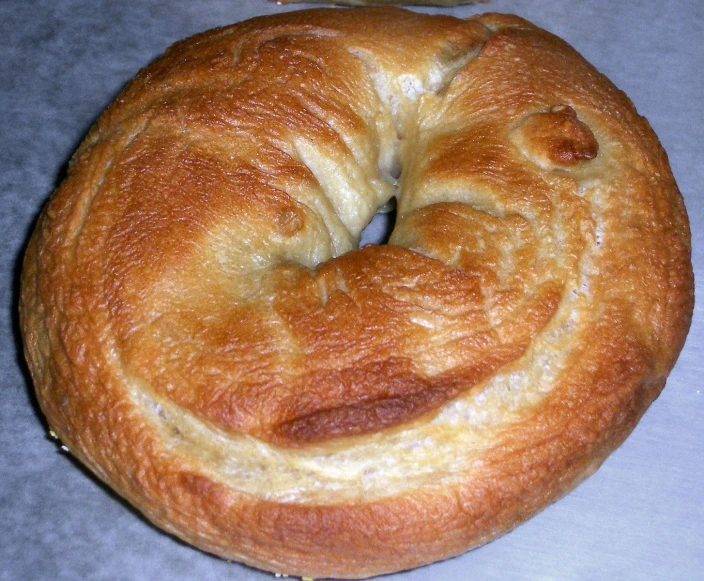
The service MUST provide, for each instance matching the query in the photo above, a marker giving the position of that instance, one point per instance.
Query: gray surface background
(641, 517)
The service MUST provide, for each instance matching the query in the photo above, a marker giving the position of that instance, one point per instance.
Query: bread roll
(205, 335)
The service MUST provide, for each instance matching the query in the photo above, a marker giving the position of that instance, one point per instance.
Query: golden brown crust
(204, 334)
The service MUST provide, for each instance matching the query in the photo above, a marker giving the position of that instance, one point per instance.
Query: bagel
(205, 334)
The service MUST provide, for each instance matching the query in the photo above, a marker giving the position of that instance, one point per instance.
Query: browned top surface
(200, 228)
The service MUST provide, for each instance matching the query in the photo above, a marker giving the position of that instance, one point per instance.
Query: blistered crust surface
(205, 334)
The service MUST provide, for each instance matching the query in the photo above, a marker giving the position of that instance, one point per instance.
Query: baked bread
(204, 334)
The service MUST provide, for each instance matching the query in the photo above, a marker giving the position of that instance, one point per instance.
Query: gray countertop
(641, 517)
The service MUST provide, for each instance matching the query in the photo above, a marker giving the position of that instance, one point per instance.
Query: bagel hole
(379, 230)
